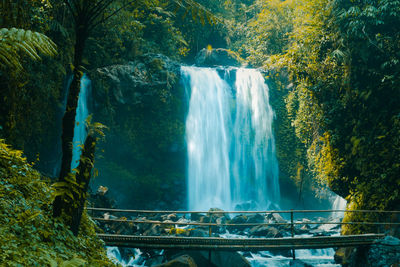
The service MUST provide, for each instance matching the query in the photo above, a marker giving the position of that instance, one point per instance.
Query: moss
(29, 236)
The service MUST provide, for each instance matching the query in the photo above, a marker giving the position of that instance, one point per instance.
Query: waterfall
(339, 203)
(80, 121)
(230, 143)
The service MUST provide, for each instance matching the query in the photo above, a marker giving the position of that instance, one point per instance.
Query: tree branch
(112, 14)
(98, 9)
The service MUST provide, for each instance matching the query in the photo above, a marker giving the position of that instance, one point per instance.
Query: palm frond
(15, 42)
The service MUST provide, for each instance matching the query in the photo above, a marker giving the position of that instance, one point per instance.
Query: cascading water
(80, 121)
(255, 167)
(231, 148)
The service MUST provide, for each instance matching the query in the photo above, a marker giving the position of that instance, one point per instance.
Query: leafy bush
(29, 236)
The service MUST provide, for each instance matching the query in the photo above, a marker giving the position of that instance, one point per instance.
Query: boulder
(196, 216)
(200, 259)
(198, 233)
(218, 213)
(155, 230)
(383, 253)
(217, 57)
(182, 261)
(275, 218)
(239, 219)
(299, 263)
(133, 82)
(257, 218)
(171, 217)
(265, 231)
(227, 258)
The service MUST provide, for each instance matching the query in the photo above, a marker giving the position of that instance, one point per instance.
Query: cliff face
(143, 156)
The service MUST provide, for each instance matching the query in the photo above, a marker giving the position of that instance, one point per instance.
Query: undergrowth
(29, 235)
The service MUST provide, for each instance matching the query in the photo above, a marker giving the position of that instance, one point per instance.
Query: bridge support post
(292, 231)
(210, 235)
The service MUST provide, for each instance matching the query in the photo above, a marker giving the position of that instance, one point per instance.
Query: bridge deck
(238, 244)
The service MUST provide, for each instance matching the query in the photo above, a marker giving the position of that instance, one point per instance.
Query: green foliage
(342, 57)
(29, 234)
(14, 42)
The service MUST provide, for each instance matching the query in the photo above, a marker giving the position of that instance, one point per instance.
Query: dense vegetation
(333, 66)
(342, 58)
(29, 235)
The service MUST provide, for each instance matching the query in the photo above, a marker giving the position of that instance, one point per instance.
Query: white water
(80, 121)
(114, 255)
(230, 144)
(338, 204)
(255, 167)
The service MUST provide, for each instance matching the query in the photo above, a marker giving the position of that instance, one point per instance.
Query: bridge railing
(210, 224)
(290, 224)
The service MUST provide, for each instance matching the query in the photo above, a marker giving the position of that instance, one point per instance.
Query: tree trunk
(68, 122)
(83, 179)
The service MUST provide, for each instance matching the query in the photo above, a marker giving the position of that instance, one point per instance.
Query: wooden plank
(235, 244)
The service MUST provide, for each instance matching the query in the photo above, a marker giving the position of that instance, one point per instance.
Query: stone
(182, 261)
(200, 259)
(383, 253)
(217, 57)
(220, 213)
(299, 263)
(195, 216)
(227, 258)
(155, 230)
(221, 220)
(265, 231)
(275, 217)
(257, 218)
(131, 83)
(198, 233)
(170, 217)
(390, 241)
(239, 219)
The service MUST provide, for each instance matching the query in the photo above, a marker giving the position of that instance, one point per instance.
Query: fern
(14, 42)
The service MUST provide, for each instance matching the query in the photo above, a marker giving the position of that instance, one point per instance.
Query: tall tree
(87, 14)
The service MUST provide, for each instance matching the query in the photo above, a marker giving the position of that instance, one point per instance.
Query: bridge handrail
(235, 224)
(236, 212)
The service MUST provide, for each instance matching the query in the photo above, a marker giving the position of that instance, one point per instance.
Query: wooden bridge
(239, 244)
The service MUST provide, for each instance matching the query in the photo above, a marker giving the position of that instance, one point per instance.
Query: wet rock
(319, 232)
(257, 218)
(196, 216)
(227, 258)
(183, 220)
(131, 83)
(342, 255)
(170, 217)
(265, 231)
(182, 261)
(155, 217)
(142, 227)
(200, 259)
(239, 219)
(218, 213)
(221, 220)
(299, 263)
(155, 230)
(384, 253)
(275, 217)
(198, 233)
(302, 230)
(217, 57)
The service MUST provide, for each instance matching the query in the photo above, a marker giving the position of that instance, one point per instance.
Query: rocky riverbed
(272, 225)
